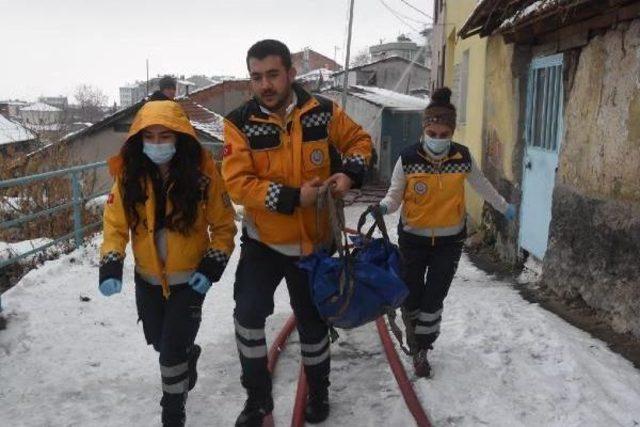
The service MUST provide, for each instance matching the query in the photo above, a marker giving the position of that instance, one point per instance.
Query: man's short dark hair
(264, 48)
(167, 82)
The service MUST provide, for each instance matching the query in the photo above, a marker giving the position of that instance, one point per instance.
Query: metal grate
(545, 89)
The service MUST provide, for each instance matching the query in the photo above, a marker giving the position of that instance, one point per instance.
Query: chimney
(305, 60)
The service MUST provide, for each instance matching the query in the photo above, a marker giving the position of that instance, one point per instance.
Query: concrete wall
(97, 147)
(367, 115)
(398, 76)
(316, 61)
(41, 117)
(224, 97)
(595, 230)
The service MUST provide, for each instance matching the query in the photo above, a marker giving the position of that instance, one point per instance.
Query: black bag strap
(378, 222)
(324, 201)
(337, 224)
(397, 332)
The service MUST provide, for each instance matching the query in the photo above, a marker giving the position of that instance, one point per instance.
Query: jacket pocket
(266, 148)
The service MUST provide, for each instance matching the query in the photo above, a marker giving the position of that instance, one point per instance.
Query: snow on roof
(388, 98)
(384, 59)
(204, 119)
(534, 8)
(11, 132)
(51, 127)
(72, 134)
(213, 84)
(325, 73)
(18, 103)
(212, 129)
(40, 106)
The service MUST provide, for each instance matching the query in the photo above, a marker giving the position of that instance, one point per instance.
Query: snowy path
(500, 361)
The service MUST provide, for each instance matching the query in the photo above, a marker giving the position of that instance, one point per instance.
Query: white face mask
(436, 146)
(159, 153)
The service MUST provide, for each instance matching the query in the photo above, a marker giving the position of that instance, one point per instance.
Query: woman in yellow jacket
(428, 181)
(169, 198)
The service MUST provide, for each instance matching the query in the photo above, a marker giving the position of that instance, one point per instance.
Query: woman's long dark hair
(183, 183)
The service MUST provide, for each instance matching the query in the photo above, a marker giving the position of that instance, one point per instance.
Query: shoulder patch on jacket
(315, 122)
(325, 102)
(239, 116)
(262, 136)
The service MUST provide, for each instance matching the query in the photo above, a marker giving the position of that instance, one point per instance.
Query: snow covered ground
(500, 360)
(8, 250)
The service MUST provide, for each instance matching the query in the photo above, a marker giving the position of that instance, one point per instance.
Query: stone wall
(594, 244)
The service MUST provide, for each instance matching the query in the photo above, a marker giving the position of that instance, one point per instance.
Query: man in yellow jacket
(169, 198)
(280, 148)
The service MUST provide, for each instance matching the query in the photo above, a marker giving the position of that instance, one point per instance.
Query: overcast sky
(50, 47)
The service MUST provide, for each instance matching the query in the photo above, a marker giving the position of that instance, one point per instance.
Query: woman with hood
(169, 199)
(428, 181)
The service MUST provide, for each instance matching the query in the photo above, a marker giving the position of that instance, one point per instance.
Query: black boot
(173, 413)
(193, 369)
(317, 406)
(255, 409)
(421, 364)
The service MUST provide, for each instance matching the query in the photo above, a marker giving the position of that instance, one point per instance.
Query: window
(405, 127)
(545, 103)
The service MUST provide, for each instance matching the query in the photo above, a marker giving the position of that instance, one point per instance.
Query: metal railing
(77, 202)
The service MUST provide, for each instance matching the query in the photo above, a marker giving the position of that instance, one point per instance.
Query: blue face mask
(436, 146)
(159, 153)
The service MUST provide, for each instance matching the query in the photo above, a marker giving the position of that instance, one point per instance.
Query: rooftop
(40, 106)
(388, 98)
(12, 132)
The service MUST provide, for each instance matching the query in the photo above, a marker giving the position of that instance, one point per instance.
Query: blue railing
(76, 203)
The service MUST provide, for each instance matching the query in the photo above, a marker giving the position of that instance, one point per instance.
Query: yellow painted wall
(501, 107)
(469, 133)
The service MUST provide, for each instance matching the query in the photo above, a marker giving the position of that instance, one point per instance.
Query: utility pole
(345, 83)
(147, 94)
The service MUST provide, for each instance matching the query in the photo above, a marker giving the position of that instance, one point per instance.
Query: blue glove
(199, 283)
(110, 287)
(510, 213)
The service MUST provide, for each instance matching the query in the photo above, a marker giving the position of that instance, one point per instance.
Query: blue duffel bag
(362, 282)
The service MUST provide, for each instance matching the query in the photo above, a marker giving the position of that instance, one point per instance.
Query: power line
(416, 9)
(408, 17)
(398, 17)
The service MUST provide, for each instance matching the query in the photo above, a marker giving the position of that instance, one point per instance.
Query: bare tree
(361, 58)
(91, 101)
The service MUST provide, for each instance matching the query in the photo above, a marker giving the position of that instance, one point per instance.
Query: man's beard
(278, 105)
